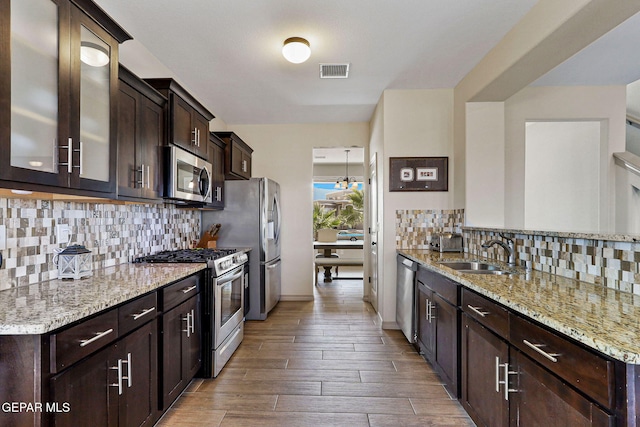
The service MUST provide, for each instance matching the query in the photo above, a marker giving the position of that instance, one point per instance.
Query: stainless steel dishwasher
(405, 299)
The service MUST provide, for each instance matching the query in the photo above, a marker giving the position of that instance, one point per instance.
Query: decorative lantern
(74, 262)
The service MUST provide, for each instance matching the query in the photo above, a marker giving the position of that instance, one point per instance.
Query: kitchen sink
(474, 267)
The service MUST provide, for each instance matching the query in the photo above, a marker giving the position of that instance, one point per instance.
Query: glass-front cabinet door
(58, 82)
(31, 70)
(94, 93)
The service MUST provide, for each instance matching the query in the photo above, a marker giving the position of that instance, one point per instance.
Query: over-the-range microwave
(187, 177)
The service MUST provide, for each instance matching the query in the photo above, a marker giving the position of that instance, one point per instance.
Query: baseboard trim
(390, 325)
(296, 297)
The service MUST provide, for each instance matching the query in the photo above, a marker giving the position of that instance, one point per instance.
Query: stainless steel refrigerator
(252, 218)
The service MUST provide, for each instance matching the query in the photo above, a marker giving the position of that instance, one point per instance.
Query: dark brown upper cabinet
(140, 138)
(58, 96)
(237, 156)
(216, 158)
(187, 119)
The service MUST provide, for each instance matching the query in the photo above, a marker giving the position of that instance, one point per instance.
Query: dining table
(327, 247)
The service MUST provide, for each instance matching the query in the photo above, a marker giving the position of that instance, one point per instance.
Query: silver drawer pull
(144, 313)
(536, 347)
(187, 290)
(477, 311)
(97, 337)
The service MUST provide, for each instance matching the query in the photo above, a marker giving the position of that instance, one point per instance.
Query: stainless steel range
(222, 301)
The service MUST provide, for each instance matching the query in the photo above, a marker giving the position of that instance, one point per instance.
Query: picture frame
(418, 174)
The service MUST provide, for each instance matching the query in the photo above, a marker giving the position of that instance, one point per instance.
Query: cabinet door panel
(128, 173)
(173, 326)
(88, 389)
(424, 324)
(151, 140)
(543, 399)
(33, 66)
(192, 346)
(140, 405)
(446, 347)
(93, 107)
(482, 398)
(201, 125)
(182, 128)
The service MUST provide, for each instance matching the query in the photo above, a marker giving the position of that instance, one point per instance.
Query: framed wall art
(418, 174)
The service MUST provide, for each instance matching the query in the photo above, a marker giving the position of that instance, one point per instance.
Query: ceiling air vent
(334, 71)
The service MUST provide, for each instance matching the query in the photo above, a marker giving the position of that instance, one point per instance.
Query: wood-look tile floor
(320, 363)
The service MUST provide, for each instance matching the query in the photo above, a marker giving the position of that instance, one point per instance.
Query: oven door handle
(222, 280)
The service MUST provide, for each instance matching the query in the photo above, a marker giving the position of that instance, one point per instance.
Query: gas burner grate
(187, 255)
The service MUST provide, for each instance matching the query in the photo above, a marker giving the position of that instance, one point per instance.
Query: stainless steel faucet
(508, 247)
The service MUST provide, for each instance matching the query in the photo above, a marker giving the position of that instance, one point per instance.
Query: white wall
(415, 123)
(604, 103)
(284, 153)
(485, 164)
(562, 175)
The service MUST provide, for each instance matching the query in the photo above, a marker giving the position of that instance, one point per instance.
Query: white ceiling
(227, 53)
(613, 59)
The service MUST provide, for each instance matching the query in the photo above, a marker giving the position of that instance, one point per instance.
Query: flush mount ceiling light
(296, 50)
(93, 54)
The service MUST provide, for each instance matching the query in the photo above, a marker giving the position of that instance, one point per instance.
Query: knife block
(206, 241)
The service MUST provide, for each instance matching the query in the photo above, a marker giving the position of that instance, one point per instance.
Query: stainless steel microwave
(188, 177)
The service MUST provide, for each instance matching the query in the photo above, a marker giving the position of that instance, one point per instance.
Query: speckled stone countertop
(612, 236)
(601, 318)
(46, 306)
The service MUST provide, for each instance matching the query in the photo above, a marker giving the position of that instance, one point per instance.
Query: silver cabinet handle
(536, 347)
(148, 177)
(187, 290)
(143, 313)
(69, 148)
(198, 137)
(119, 383)
(507, 372)
(219, 194)
(141, 180)
(128, 362)
(191, 327)
(429, 315)
(79, 151)
(244, 166)
(498, 374)
(477, 310)
(97, 337)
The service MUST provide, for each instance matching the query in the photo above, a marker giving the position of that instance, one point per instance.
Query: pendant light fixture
(296, 50)
(346, 182)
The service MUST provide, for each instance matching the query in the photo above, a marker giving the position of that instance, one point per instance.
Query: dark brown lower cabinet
(542, 399)
(437, 322)
(115, 386)
(482, 394)
(181, 348)
(516, 373)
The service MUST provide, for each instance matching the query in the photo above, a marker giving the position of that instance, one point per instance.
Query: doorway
(339, 205)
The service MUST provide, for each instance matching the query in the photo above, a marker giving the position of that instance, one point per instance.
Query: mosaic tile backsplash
(415, 227)
(114, 233)
(613, 264)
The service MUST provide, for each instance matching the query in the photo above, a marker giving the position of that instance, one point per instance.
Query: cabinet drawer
(486, 312)
(137, 313)
(72, 344)
(448, 289)
(588, 372)
(173, 295)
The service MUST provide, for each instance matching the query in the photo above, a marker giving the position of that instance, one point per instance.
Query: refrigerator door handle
(278, 217)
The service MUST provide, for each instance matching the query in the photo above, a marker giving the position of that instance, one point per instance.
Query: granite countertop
(46, 306)
(604, 319)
